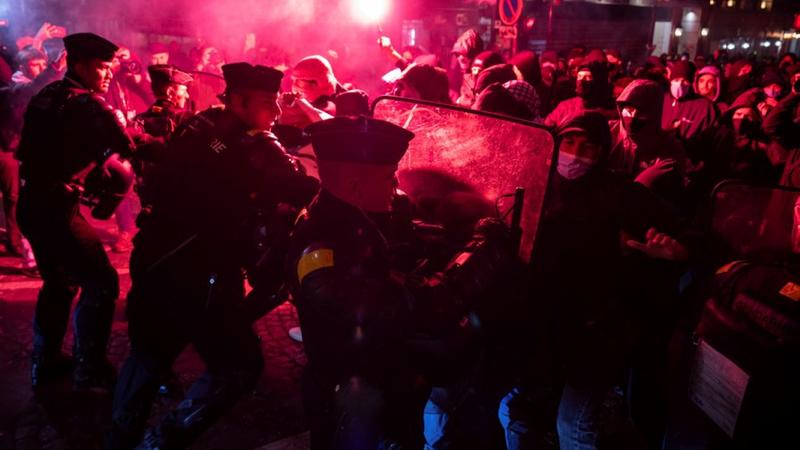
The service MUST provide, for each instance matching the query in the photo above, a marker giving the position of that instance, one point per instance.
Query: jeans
(515, 414)
(437, 424)
(578, 412)
(576, 421)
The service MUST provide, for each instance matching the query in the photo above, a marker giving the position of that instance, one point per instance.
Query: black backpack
(747, 366)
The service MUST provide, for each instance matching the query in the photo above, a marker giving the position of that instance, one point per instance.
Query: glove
(471, 272)
(650, 176)
(109, 183)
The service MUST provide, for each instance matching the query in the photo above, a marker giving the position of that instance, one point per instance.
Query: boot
(48, 366)
(95, 376)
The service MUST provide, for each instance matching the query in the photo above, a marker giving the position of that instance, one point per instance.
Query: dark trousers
(357, 414)
(70, 257)
(167, 310)
(9, 187)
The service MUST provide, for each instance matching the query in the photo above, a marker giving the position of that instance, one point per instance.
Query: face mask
(583, 89)
(773, 92)
(633, 124)
(678, 89)
(744, 127)
(572, 167)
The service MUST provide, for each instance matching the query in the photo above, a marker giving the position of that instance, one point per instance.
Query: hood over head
(709, 70)
(647, 96)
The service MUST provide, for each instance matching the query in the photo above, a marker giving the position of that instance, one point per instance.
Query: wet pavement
(271, 418)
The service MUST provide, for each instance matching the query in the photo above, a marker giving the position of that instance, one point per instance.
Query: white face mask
(572, 167)
(678, 88)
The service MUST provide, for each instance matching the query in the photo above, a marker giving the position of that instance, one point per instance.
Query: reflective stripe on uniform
(314, 260)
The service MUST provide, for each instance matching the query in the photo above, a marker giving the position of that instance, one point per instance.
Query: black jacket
(66, 129)
(216, 180)
(579, 268)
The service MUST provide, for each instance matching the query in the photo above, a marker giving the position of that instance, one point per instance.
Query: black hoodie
(600, 99)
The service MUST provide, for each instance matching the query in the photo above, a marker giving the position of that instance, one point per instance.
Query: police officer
(170, 86)
(223, 170)
(69, 133)
(359, 310)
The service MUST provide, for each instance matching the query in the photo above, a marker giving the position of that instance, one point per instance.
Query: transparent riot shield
(755, 221)
(205, 89)
(464, 165)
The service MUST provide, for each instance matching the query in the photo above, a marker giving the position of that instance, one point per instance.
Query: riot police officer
(361, 310)
(222, 174)
(170, 87)
(70, 133)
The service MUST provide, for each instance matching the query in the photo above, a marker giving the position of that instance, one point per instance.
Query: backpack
(747, 365)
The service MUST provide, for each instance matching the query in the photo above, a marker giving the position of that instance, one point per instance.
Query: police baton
(516, 218)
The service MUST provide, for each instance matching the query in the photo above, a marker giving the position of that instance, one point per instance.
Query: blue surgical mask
(572, 167)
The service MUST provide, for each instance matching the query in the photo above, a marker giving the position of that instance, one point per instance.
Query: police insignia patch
(314, 260)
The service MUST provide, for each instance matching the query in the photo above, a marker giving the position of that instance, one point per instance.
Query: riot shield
(205, 89)
(464, 165)
(754, 221)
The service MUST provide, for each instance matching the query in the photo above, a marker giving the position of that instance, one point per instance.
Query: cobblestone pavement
(57, 418)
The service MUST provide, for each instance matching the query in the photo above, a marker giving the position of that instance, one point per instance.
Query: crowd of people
(403, 343)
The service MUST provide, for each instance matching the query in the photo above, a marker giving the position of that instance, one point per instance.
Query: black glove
(108, 184)
(472, 271)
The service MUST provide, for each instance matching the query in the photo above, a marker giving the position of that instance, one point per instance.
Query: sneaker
(123, 244)
(46, 367)
(94, 377)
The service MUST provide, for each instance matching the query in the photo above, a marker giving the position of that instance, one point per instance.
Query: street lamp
(678, 32)
(704, 32)
(745, 46)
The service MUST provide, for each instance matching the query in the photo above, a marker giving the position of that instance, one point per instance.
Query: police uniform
(353, 316)
(187, 264)
(69, 130)
(373, 324)
(158, 122)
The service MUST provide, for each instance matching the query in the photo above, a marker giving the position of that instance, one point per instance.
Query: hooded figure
(685, 112)
(499, 73)
(740, 78)
(640, 149)
(527, 63)
(465, 49)
(593, 90)
(499, 99)
(746, 147)
(782, 125)
(587, 210)
(424, 82)
(773, 85)
(483, 61)
(708, 84)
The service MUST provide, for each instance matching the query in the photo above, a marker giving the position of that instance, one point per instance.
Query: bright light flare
(369, 11)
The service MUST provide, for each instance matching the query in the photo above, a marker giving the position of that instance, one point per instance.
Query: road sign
(510, 10)
(507, 32)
